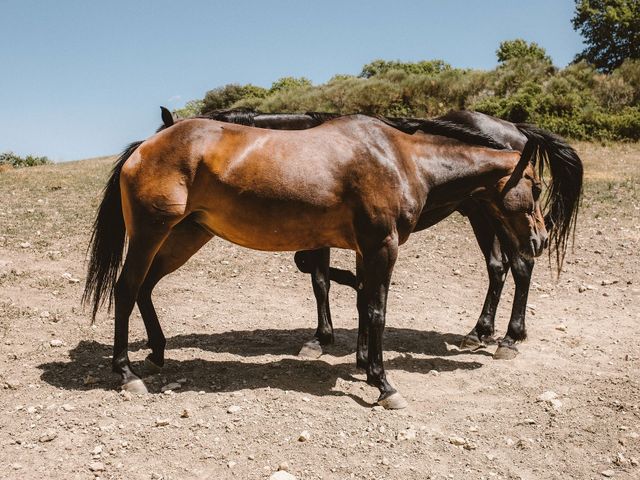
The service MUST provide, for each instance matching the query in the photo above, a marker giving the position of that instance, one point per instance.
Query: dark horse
(566, 185)
(353, 182)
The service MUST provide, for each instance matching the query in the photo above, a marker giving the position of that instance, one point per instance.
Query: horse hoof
(151, 367)
(505, 353)
(136, 386)
(395, 401)
(311, 350)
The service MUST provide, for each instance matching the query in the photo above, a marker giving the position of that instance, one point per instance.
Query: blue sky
(81, 78)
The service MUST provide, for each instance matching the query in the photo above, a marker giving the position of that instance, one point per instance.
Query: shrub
(16, 161)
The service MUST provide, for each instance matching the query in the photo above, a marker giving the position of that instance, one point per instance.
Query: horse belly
(279, 226)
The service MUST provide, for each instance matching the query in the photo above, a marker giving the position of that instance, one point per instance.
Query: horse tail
(107, 240)
(564, 189)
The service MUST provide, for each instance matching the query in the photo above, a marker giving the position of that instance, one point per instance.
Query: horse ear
(167, 117)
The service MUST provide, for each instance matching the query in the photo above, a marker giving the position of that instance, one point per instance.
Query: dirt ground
(235, 320)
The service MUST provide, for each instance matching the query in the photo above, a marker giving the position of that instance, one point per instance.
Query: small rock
(634, 462)
(68, 408)
(162, 422)
(434, 373)
(12, 383)
(44, 314)
(25, 245)
(70, 278)
(406, 435)
(562, 327)
(56, 343)
(231, 464)
(284, 466)
(96, 467)
(97, 450)
(234, 409)
(556, 404)
(90, 380)
(385, 461)
(469, 446)
(547, 396)
(582, 289)
(304, 436)
(457, 272)
(457, 441)
(282, 475)
(608, 473)
(529, 421)
(126, 396)
(171, 386)
(185, 413)
(47, 436)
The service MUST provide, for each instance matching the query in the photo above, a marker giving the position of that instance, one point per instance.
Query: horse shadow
(88, 367)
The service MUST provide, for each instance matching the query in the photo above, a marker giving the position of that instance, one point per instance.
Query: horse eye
(537, 191)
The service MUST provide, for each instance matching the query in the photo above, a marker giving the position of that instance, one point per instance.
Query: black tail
(565, 188)
(107, 240)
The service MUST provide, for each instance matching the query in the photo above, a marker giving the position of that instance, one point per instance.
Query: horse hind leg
(142, 249)
(317, 263)
(185, 239)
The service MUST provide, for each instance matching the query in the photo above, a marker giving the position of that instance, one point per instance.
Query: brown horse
(561, 206)
(353, 183)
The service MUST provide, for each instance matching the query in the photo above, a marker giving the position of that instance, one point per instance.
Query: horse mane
(564, 188)
(445, 128)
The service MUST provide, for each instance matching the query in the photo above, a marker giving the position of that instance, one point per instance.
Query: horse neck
(452, 172)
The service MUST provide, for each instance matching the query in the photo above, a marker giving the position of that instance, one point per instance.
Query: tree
(611, 29)
(224, 97)
(425, 67)
(519, 48)
(286, 83)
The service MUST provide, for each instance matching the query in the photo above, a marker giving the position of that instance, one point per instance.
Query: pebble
(25, 245)
(434, 373)
(96, 467)
(284, 466)
(185, 413)
(282, 475)
(231, 464)
(68, 408)
(406, 435)
(234, 409)
(171, 386)
(547, 396)
(304, 436)
(126, 396)
(561, 327)
(12, 383)
(56, 343)
(47, 436)
(458, 441)
(608, 473)
(97, 450)
(162, 422)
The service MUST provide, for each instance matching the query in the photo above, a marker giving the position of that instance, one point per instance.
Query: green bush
(577, 101)
(16, 161)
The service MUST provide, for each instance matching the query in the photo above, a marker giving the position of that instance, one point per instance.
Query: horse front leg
(378, 266)
(521, 269)
(497, 266)
(316, 262)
